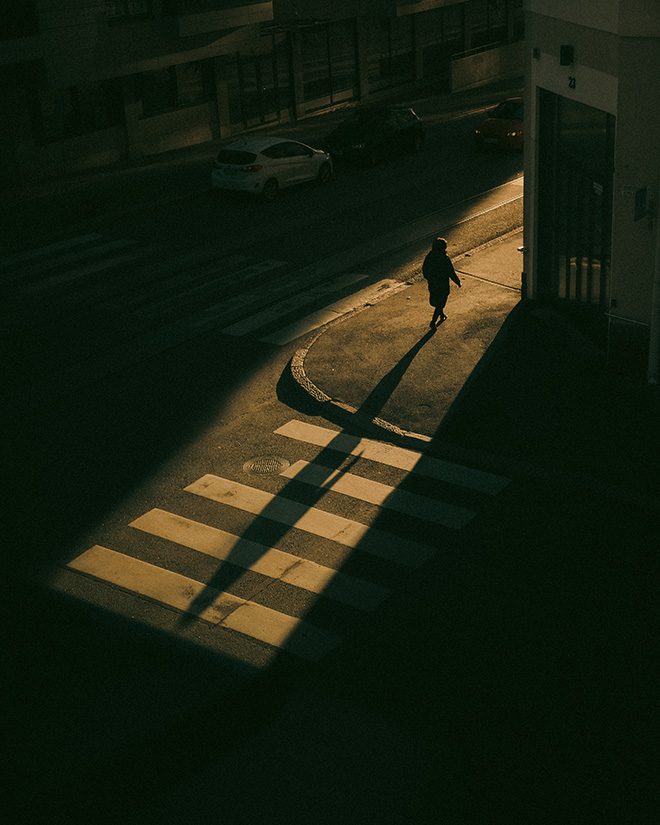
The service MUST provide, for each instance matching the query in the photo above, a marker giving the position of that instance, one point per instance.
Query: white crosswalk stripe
(260, 559)
(258, 613)
(448, 515)
(395, 456)
(312, 520)
(240, 294)
(207, 603)
(10, 261)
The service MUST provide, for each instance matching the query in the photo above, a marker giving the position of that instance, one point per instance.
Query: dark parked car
(503, 128)
(372, 133)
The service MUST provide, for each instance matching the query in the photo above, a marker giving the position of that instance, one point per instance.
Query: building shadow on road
(332, 460)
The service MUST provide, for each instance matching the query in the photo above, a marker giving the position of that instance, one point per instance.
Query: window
(162, 90)
(316, 63)
(487, 22)
(343, 62)
(390, 52)
(117, 10)
(193, 83)
(235, 158)
(279, 150)
(441, 33)
(62, 113)
(157, 90)
(297, 150)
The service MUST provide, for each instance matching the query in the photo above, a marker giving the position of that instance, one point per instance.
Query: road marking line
(295, 301)
(30, 254)
(258, 558)
(327, 314)
(429, 509)
(72, 257)
(207, 603)
(312, 520)
(174, 272)
(213, 286)
(99, 266)
(409, 460)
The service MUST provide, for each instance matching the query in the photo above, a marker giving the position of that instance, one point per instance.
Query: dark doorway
(576, 165)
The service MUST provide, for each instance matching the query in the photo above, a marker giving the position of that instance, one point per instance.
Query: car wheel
(324, 174)
(270, 190)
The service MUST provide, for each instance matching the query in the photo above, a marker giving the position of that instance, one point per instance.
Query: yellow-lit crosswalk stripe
(408, 460)
(258, 558)
(429, 509)
(207, 603)
(312, 520)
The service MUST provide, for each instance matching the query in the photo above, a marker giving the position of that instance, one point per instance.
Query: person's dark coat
(438, 270)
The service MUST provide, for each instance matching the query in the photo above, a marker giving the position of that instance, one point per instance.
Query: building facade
(592, 165)
(88, 84)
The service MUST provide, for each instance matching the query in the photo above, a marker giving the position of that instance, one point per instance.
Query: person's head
(440, 244)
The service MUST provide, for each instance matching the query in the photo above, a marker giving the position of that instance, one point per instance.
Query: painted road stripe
(72, 257)
(292, 301)
(172, 273)
(261, 559)
(312, 520)
(409, 460)
(207, 603)
(212, 287)
(429, 509)
(99, 266)
(30, 254)
(327, 314)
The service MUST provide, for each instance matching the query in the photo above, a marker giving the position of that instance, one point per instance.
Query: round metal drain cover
(266, 465)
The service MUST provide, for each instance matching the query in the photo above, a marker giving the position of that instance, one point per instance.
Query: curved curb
(338, 411)
(346, 416)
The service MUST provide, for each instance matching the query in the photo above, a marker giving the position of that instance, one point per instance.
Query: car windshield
(358, 125)
(509, 110)
(234, 157)
(367, 117)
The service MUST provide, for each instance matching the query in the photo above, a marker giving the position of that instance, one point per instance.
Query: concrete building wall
(615, 68)
(500, 63)
(637, 162)
(78, 45)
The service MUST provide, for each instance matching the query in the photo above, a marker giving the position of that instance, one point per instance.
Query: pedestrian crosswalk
(151, 283)
(313, 547)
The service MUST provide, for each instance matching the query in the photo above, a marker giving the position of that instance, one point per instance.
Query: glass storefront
(576, 159)
(329, 63)
(390, 52)
(259, 86)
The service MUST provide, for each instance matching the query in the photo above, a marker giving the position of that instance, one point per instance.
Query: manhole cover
(266, 465)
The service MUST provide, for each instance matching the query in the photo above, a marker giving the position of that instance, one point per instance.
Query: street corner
(499, 261)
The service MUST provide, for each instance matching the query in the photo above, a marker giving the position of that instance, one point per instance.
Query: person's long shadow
(329, 460)
(382, 392)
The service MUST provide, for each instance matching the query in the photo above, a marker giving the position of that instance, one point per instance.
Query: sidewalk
(509, 384)
(509, 680)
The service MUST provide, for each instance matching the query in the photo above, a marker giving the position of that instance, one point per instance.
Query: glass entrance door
(575, 201)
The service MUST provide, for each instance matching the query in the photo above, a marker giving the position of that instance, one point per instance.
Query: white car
(264, 165)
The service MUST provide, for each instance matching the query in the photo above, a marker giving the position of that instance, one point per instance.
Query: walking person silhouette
(438, 270)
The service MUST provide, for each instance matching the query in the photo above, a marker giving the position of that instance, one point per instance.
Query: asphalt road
(115, 699)
(506, 680)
